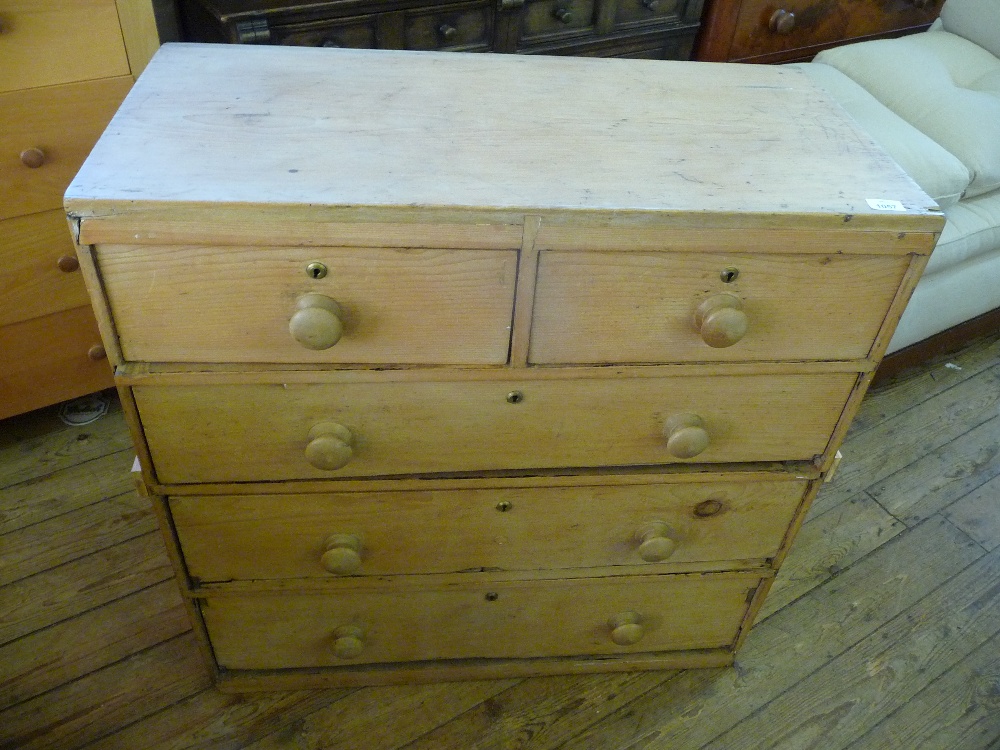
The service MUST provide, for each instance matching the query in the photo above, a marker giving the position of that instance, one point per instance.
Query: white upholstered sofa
(932, 101)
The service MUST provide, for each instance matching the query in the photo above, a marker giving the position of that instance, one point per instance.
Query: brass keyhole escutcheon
(492, 596)
(729, 275)
(504, 505)
(515, 397)
(316, 270)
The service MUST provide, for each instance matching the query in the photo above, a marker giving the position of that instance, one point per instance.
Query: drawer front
(545, 21)
(535, 528)
(503, 619)
(644, 307)
(286, 431)
(50, 359)
(641, 12)
(766, 27)
(197, 304)
(39, 273)
(58, 41)
(466, 27)
(358, 32)
(46, 136)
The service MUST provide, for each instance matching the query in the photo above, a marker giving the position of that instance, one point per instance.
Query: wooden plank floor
(883, 630)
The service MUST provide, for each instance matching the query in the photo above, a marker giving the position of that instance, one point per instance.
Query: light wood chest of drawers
(420, 393)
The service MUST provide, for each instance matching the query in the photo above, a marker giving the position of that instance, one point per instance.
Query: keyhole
(316, 270)
(515, 397)
(729, 275)
(503, 506)
(492, 596)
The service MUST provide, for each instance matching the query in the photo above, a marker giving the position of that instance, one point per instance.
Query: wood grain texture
(204, 304)
(282, 536)
(633, 128)
(206, 433)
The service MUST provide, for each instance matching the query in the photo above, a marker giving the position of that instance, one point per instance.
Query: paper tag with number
(881, 204)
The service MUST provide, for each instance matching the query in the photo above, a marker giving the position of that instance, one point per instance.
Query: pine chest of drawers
(420, 392)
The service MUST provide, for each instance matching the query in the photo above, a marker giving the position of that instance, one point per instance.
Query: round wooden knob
(343, 554)
(782, 21)
(317, 321)
(657, 541)
(33, 158)
(686, 435)
(96, 353)
(651, 4)
(68, 263)
(565, 15)
(720, 320)
(330, 446)
(626, 628)
(447, 31)
(348, 643)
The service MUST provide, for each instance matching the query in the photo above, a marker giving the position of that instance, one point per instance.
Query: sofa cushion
(972, 229)
(942, 84)
(938, 173)
(976, 20)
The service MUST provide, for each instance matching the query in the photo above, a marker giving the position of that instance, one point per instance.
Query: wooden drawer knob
(447, 31)
(720, 320)
(317, 321)
(33, 158)
(564, 15)
(782, 21)
(657, 541)
(96, 353)
(68, 263)
(343, 554)
(626, 628)
(686, 435)
(348, 643)
(330, 446)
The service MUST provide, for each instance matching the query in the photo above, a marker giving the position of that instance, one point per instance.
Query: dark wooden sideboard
(664, 29)
(769, 31)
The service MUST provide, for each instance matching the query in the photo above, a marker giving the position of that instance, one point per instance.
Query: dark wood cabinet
(605, 28)
(767, 31)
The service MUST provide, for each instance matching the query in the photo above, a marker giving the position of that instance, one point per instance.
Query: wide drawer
(58, 41)
(46, 136)
(39, 272)
(332, 534)
(241, 304)
(644, 307)
(459, 619)
(246, 433)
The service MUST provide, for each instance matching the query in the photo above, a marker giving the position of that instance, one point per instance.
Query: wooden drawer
(766, 26)
(204, 304)
(457, 619)
(642, 307)
(32, 376)
(63, 123)
(264, 432)
(544, 21)
(515, 528)
(39, 273)
(466, 27)
(357, 32)
(58, 41)
(642, 12)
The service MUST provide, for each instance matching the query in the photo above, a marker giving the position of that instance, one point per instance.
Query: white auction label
(881, 204)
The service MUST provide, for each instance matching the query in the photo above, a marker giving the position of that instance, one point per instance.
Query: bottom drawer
(467, 619)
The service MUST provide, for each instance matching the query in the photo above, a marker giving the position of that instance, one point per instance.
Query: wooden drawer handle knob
(447, 31)
(330, 446)
(96, 353)
(686, 435)
(343, 554)
(626, 628)
(68, 263)
(720, 320)
(33, 158)
(348, 643)
(317, 322)
(657, 542)
(564, 15)
(782, 21)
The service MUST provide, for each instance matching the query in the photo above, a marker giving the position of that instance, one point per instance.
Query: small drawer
(39, 272)
(358, 32)
(47, 134)
(685, 307)
(59, 41)
(640, 12)
(243, 433)
(329, 305)
(381, 623)
(543, 21)
(335, 534)
(456, 27)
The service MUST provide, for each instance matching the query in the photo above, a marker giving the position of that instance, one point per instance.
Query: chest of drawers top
(327, 135)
